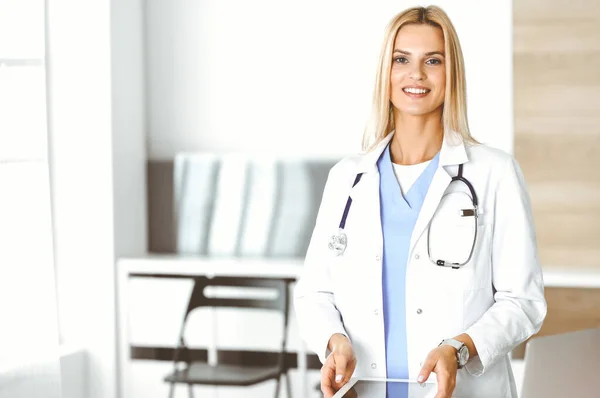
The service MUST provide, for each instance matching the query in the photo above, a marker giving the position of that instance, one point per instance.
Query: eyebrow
(428, 54)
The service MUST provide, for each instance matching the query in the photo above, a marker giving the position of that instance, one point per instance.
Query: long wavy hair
(454, 114)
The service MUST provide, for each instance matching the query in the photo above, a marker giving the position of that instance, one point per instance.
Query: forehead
(421, 37)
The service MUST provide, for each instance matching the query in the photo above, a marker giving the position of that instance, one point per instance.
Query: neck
(417, 138)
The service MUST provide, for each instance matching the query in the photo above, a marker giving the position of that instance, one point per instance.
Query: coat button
(419, 311)
(377, 257)
(376, 312)
(373, 365)
(417, 256)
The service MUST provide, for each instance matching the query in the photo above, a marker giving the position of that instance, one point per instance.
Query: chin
(419, 110)
(416, 112)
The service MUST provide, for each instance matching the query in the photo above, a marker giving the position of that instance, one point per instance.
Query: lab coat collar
(453, 152)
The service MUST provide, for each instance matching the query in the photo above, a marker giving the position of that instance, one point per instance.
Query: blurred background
(146, 146)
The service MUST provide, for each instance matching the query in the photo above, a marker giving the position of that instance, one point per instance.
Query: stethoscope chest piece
(338, 242)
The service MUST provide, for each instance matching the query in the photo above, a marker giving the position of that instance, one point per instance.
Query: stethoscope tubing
(338, 242)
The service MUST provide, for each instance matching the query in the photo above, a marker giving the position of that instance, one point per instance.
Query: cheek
(396, 79)
(441, 81)
(396, 84)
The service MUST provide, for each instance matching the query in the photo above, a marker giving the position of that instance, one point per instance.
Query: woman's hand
(442, 361)
(339, 366)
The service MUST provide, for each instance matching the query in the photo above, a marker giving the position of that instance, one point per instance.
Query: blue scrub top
(398, 218)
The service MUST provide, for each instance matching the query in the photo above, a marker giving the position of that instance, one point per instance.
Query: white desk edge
(554, 276)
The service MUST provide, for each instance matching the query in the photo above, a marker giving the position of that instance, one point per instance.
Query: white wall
(128, 126)
(97, 160)
(128, 138)
(81, 173)
(296, 77)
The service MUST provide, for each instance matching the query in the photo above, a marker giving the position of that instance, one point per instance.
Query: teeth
(416, 90)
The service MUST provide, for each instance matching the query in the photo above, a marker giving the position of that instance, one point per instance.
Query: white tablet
(386, 388)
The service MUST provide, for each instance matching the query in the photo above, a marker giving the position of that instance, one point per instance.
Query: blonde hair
(454, 113)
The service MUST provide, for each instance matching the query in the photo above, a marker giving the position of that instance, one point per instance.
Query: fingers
(426, 369)
(327, 377)
(336, 372)
(445, 372)
(445, 384)
(341, 373)
(442, 384)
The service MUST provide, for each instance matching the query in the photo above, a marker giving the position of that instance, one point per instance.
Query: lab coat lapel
(438, 186)
(452, 153)
(365, 199)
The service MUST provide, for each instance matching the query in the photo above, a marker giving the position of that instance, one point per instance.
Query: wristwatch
(462, 351)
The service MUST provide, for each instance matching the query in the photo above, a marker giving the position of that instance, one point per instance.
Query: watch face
(463, 355)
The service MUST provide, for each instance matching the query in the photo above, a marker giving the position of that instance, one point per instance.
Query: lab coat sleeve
(317, 316)
(520, 307)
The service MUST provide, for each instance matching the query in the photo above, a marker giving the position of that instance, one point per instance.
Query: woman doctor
(408, 271)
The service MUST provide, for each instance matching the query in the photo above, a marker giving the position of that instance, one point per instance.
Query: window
(22, 81)
(29, 333)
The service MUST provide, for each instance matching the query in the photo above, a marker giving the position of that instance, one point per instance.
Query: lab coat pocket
(451, 241)
(459, 252)
(454, 287)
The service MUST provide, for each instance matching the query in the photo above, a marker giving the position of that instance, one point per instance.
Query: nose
(417, 73)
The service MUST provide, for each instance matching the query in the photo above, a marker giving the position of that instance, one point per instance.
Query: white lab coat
(497, 297)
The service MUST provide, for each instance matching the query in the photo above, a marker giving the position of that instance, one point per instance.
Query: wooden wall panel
(561, 158)
(557, 68)
(549, 11)
(568, 310)
(557, 125)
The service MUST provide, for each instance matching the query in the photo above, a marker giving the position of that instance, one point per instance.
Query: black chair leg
(190, 390)
(288, 384)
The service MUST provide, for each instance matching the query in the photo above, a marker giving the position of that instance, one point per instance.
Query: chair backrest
(563, 365)
(280, 303)
(199, 297)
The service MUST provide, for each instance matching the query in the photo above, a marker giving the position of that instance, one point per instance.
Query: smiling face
(418, 72)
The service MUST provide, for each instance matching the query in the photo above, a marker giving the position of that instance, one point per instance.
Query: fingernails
(338, 378)
(421, 378)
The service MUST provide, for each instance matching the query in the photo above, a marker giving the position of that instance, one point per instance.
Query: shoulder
(346, 167)
(491, 160)
(497, 166)
(486, 155)
(343, 173)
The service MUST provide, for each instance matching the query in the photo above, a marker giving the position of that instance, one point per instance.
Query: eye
(400, 60)
(433, 61)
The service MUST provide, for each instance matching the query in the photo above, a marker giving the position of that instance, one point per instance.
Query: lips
(416, 92)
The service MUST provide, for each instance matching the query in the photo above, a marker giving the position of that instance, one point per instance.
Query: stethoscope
(339, 241)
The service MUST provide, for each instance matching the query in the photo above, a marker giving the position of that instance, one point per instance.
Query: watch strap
(454, 343)
(458, 345)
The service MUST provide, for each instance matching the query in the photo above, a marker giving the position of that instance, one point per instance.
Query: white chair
(563, 365)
